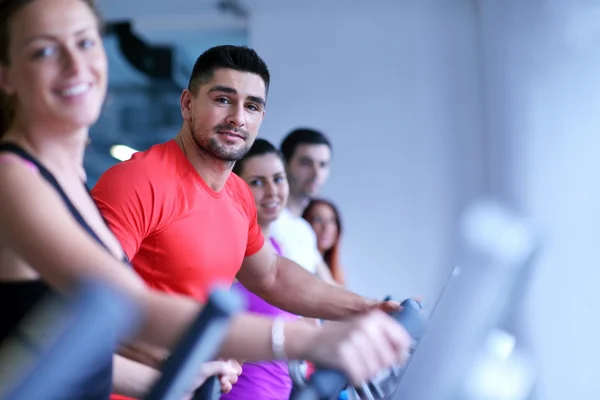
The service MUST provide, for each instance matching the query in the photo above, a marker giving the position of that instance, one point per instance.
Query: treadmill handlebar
(199, 345)
(326, 383)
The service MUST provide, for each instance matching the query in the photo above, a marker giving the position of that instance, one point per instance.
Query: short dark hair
(239, 58)
(302, 136)
(260, 147)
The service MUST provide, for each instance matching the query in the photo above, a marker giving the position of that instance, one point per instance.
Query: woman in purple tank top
(262, 168)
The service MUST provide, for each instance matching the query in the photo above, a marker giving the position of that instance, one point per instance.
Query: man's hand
(389, 306)
(361, 346)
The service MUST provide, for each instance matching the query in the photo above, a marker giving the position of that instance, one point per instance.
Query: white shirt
(297, 240)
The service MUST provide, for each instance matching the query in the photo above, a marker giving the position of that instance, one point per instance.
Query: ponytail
(6, 113)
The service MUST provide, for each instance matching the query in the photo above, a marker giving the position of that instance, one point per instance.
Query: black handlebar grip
(198, 345)
(326, 384)
(210, 390)
(411, 319)
(67, 338)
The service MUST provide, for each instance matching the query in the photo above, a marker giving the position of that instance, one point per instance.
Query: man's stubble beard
(212, 147)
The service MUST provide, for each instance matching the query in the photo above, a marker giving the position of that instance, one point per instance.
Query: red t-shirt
(180, 235)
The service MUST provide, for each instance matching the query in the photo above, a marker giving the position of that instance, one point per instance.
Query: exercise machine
(199, 345)
(465, 347)
(327, 384)
(60, 338)
(84, 329)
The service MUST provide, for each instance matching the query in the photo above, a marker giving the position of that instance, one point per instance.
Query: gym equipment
(82, 331)
(157, 62)
(199, 345)
(61, 338)
(496, 248)
(386, 382)
(332, 382)
(326, 384)
(210, 390)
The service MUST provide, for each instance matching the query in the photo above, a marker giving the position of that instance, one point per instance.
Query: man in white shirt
(307, 154)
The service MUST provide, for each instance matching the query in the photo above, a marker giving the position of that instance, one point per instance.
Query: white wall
(396, 89)
(432, 103)
(543, 90)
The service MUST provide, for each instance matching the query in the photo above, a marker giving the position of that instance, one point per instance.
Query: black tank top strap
(13, 148)
(96, 383)
(125, 258)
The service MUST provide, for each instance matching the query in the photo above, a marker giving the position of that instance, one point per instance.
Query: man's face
(308, 169)
(224, 114)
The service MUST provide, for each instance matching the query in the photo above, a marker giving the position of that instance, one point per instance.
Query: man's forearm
(131, 378)
(144, 353)
(297, 291)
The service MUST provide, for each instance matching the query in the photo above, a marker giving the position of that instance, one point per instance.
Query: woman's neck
(61, 153)
(265, 229)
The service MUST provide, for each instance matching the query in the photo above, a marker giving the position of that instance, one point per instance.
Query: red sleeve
(256, 240)
(127, 202)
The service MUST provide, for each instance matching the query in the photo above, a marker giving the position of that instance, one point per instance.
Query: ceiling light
(122, 152)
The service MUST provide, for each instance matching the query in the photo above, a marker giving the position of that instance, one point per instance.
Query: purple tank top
(262, 380)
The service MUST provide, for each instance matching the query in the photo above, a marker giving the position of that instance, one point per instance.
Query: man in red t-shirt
(187, 223)
(181, 235)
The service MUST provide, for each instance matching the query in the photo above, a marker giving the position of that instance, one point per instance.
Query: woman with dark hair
(263, 170)
(325, 219)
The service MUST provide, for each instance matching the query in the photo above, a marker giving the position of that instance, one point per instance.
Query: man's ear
(185, 103)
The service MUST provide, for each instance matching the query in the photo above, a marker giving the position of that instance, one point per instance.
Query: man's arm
(131, 378)
(288, 286)
(144, 353)
(129, 204)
